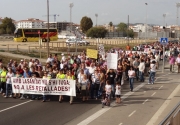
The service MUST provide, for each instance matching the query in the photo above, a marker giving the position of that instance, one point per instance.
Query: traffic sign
(164, 40)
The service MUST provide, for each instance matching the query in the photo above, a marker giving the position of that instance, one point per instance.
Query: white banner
(112, 59)
(44, 86)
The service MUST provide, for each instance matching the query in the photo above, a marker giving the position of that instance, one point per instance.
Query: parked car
(80, 42)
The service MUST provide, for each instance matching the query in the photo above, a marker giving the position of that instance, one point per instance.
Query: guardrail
(173, 118)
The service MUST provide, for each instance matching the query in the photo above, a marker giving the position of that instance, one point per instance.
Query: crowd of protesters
(93, 78)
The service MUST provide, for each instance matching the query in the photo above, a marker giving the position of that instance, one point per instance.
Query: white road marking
(120, 123)
(102, 111)
(131, 113)
(144, 91)
(163, 107)
(160, 87)
(15, 106)
(153, 94)
(145, 101)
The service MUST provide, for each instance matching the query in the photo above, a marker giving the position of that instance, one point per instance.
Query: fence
(173, 118)
(57, 46)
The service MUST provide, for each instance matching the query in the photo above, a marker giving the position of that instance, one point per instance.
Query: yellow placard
(91, 53)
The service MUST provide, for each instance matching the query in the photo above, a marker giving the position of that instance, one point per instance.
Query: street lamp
(146, 24)
(164, 27)
(71, 5)
(96, 18)
(164, 15)
(47, 44)
(177, 20)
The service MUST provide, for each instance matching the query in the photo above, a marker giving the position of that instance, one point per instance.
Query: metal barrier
(173, 118)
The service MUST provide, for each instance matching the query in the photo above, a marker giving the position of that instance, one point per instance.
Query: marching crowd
(93, 78)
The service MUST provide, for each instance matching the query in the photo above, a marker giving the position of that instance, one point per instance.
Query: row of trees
(86, 25)
(7, 26)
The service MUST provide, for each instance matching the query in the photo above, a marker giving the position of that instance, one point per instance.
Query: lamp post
(71, 5)
(96, 18)
(164, 27)
(177, 20)
(164, 16)
(146, 24)
(47, 44)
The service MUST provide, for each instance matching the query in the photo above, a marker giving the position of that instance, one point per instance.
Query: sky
(114, 11)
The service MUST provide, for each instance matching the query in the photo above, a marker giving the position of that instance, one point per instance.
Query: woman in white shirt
(152, 72)
(131, 74)
(8, 83)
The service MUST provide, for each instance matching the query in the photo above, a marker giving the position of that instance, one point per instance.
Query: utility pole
(71, 5)
(96, 18)
(146, 25)
(128, 31)
(177, 20)
(47, 29)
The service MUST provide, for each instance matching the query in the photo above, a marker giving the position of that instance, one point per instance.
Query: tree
(7, 26)
(130, 33)
(2, 31)
(96, 32)
(122, 27)
(85, 24)
(110, 24)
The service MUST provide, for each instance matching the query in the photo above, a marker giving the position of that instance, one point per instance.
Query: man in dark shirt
(111, 77)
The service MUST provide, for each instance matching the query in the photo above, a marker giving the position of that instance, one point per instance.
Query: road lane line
(131, 113)
(153, 94)
(160, 87)
(102, 111)
(15, 106)
(144, 91)
(145, 101)
(163, 107)
(120, 123)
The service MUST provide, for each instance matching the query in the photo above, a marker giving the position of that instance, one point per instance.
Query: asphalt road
(137, 108)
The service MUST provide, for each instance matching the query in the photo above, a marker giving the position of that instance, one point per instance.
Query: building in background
(30, 23)
(109, 28)
(62, 26)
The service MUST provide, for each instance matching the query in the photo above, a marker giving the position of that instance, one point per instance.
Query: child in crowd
(118, 92)
(108, 89)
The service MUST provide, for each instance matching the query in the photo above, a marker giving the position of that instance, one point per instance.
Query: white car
(80, 42)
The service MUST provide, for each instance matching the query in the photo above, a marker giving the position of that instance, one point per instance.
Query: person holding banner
(45, 77)
(8, 82)
(3, 80)
(70, 76)
(26, 74)
(18, 75)
(60, 75)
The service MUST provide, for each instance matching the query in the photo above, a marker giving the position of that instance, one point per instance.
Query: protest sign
(146, 50)
(91, 53)
(101, 49)
(43, 86)
(112, 60)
